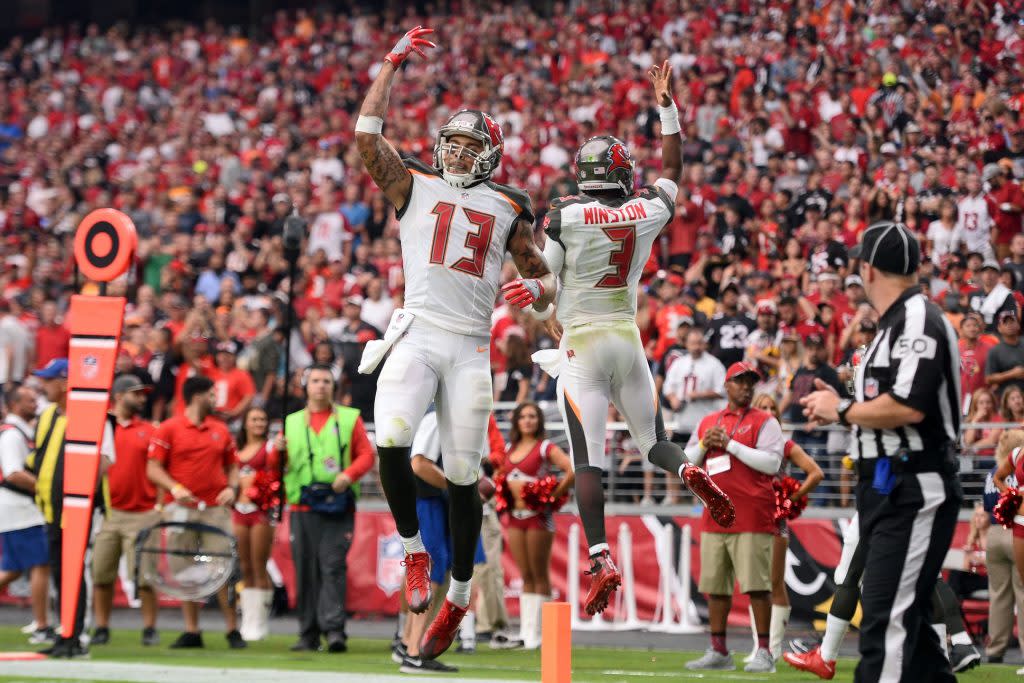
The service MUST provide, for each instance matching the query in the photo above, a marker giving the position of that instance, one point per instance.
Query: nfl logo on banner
(90, 367)
(390, 553)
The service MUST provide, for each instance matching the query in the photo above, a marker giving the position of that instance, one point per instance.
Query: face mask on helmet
(604, 164)
(481, 165)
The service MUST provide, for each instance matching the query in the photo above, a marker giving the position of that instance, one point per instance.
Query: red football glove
(523, 293)
(410, 42)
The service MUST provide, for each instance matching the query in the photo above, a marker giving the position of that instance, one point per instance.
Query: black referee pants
(906, 536)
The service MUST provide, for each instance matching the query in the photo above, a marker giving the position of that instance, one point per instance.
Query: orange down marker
(104, 249)
(556, 643)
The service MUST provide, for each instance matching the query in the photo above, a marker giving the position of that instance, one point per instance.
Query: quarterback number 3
(624, 240)
(477, 242)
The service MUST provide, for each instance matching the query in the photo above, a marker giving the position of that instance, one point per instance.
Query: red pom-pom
(265, 491)
(502, 495)
(1007, 507)
(538, 495)
(785, 506)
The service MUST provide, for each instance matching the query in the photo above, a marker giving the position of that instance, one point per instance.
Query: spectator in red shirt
(683, 230)
(132, 501)
(196, 362)
(192, 456)
(1006, 202)
(52, 338)
(800, 120)
(973, 353)
(233, 386)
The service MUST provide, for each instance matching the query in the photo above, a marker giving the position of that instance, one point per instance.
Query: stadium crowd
(803, 124)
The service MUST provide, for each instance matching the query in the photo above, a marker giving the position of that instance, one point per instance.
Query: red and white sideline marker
(556, 643)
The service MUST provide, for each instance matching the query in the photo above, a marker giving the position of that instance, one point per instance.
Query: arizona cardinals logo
(494, 130)
(618, 157)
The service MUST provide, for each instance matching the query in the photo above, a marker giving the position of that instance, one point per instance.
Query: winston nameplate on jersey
(602, 214)
(376, 349)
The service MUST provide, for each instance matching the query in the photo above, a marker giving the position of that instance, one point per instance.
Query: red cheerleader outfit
(1017, 458)
(531, 468)
(261, 461)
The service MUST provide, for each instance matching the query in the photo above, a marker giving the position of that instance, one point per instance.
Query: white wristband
(669, 119)
(369, 124)
(541, 315)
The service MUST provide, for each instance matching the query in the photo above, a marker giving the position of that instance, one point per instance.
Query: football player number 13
(476, 241)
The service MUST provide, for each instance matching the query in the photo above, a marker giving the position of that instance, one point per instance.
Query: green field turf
(372, 657)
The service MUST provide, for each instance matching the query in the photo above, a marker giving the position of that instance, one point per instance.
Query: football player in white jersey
(455, 226)
(598, 242)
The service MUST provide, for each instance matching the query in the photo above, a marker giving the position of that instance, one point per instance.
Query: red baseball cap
(739, 369)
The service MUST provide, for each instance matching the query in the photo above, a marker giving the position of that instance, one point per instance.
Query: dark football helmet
(604, 163)
(479, 126)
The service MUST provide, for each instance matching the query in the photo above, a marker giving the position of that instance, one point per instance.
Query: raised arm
(381, 160)
(671, 139)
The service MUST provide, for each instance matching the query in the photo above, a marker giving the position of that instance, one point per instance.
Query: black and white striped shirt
(915, 359)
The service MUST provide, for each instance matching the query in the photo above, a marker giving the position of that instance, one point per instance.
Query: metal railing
(632, 484)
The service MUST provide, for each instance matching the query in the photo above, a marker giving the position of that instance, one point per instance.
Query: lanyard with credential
(337, 435)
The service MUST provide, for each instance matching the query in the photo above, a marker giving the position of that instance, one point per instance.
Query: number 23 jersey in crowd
(606, 244)
(453, 246)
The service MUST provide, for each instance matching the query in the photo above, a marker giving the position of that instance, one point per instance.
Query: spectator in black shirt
(350, 341)
(727, 332)
(931, 194)
(1004, 366)
(814, 196)
(828, 254)
(728, 198)
(1015, 261)
(814, 366)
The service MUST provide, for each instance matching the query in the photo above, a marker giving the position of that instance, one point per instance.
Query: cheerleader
(252, 526)
(528, 458)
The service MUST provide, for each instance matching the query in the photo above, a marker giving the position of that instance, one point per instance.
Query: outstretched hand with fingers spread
(412, 41)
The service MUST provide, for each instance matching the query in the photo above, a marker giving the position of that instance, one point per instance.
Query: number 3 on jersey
(624, 242)
(477, 242)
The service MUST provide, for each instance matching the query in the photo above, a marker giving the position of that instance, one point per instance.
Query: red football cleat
(441, 633)
(605, 578)
(417, 582)
(719, 505)
(812, 662)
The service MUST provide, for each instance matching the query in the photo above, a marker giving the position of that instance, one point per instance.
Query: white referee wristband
(669, 119)
(541, 315)
(369, 124)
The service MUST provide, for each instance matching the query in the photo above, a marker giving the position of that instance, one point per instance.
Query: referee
(905, 420)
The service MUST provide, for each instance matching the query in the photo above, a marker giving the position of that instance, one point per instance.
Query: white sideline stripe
(82, 449)
(934, 493)
(157, 673)
(76, 502)
(79, 343)
(97, 396)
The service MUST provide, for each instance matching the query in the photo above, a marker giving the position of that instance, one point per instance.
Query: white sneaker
(670, 500)
(647, 500)
(713, 660)
(762, 663)
(502, 641)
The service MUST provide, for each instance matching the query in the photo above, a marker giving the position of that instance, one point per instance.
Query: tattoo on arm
(386, 168)
(530, 262)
